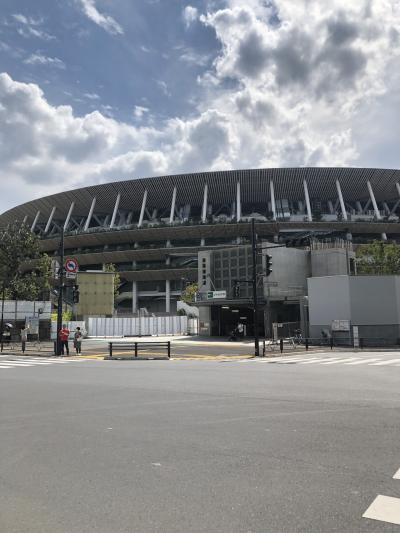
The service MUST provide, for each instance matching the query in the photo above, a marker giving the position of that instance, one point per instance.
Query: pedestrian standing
(24, 338)
(78, 340)
(64, 336)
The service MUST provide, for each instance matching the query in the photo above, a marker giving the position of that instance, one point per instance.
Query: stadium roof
(254, 189)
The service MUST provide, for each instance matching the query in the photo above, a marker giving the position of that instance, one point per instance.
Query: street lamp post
(60, 293)
(3, 297)
(254, 282)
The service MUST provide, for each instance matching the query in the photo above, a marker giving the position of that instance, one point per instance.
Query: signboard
(340, 325)
(216, 295)
(71, 268)
(32, 325)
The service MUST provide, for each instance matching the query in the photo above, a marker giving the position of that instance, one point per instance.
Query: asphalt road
(197, 446)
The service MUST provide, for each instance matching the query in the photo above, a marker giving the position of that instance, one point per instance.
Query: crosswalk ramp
(7, 362)
(350, 360)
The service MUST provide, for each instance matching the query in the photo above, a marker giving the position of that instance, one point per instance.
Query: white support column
(46, 229)
(309, 215)
(172, 212)
(396, 205)
(35, 221)
(342, 206)
(238, 203)
(371, 193)
(377, 213)
(25, 220)
(205, 200)
(273, 204)
(114, 215)
(386, 208)
(66, 223)
(134, 292)
(331, 208)
(142, 209)
(167, 296)
(89, 218)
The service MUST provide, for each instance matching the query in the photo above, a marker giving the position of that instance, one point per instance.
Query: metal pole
(3, 295)
(60, 292)
(255, 306)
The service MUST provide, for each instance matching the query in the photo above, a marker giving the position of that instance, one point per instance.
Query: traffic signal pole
(60, 293)
(254, 282)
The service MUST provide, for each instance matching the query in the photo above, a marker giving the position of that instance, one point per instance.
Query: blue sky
(100, 90)
(153, 62)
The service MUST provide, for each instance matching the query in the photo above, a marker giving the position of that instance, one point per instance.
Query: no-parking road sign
(71, 267)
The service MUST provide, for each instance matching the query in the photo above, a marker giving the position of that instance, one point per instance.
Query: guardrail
(135, 348)
(330, 342)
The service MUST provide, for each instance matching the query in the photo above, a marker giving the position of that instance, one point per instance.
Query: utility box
(96, 294)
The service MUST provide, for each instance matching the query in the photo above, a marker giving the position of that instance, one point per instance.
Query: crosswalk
(7, 362)
(349, 359)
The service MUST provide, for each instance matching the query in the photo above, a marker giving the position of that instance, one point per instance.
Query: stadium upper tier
(214, 204)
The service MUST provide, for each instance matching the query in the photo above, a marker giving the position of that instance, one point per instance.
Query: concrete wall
(370, 302)
(290, 270)
(330, 262)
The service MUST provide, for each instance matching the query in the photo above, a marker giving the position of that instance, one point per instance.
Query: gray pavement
(198, 446)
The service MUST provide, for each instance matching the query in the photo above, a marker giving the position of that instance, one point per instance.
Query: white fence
(147, 325)
(20, 309)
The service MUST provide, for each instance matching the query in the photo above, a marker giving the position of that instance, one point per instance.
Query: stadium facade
(153, 229)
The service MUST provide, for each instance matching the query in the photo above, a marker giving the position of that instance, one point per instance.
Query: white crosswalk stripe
(379, 360)
(6, 363)
(387, 362)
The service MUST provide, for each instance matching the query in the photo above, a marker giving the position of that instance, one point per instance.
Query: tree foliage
(188, 294)
(378, 258)
(110, 267)
(24, 272)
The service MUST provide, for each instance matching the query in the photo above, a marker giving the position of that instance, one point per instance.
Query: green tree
(24, 271)
(378, 258)
(110, 267)
(188, 294)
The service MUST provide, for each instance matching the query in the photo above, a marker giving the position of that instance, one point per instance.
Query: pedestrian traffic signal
(268, 265)
(75, 294)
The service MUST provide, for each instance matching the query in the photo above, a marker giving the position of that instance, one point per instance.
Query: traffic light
(268, 265)
(75, 294)
(236, 290)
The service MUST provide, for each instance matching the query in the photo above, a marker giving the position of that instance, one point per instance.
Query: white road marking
(25, 361)
(313, 360)
(294, 360)
(15, 365)
(397, 474)
(362, 361)
(387, 362)
(384, 509)
(341, 360)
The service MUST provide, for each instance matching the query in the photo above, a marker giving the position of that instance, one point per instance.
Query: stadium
(153, 229)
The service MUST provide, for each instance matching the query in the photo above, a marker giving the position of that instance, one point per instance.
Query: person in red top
(64, 335)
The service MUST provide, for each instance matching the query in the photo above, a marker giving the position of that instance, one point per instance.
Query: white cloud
(164, 87)
(92, 96)
(139, 111)
(291, 85)
(30, 27)
(40, 59)
(190, 14)
(106, 22)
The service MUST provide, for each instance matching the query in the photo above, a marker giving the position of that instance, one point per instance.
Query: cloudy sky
(101, 90)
